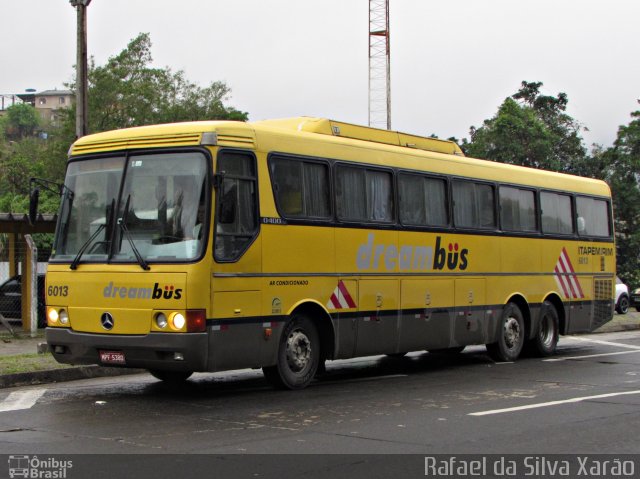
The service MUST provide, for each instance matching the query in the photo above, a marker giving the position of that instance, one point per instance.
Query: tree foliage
(21, 160)
(127, 91)
(530, 129)
(623, 175)
(20, 121)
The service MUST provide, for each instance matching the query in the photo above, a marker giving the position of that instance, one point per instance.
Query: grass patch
(25, 363)
(20, 334)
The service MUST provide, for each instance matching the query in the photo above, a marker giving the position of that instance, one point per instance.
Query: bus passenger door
(377, 321)
(469, 326)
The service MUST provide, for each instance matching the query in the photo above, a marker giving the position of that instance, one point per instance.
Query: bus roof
(324, 126)
(444, 157)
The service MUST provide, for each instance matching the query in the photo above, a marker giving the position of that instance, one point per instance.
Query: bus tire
(546, 339)
(171, 377)
(298, 355)
(511, 337)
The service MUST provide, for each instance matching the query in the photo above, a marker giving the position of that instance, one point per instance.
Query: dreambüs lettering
(157, 292)
(410, 257)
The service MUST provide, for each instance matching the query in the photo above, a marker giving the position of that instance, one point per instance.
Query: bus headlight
(57, 317)
(188, 321)
(178, 321)
(52, 316)
(161, 320)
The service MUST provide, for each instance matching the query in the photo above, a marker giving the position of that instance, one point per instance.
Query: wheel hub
(298, 351)
(512, 332)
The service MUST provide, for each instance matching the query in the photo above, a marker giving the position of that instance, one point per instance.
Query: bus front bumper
(162, 351)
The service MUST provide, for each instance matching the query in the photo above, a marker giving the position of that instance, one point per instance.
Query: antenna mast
(379, 65)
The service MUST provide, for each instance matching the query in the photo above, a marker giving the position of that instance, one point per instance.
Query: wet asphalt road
(586, 399)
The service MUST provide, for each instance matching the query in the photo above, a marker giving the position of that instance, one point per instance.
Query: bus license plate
(112, 357)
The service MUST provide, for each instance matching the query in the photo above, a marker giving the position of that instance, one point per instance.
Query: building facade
(47, 103)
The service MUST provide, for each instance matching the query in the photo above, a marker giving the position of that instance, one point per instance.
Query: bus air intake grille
(227, 139)
(187, 139)
(603, 305)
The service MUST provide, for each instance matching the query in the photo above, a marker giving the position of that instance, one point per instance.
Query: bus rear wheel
(298, 355)
(170, 377)
(511, 337)
(546, 339)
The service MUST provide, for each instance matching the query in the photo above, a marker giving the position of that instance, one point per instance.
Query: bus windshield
(135, 208)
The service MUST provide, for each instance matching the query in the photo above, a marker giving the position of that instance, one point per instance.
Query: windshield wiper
(123, 226)
(76, 260)
(86, 244)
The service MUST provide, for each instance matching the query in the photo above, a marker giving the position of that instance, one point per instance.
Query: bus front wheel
(298, 355)
(511, 336)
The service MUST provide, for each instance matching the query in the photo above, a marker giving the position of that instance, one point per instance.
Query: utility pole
(82, 117)
(379, 65)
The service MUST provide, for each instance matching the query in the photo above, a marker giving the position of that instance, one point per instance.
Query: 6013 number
(58, 290)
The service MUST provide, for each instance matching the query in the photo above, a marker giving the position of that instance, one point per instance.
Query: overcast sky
(452, 61)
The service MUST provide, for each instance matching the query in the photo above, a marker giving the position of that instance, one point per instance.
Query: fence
(15, 268)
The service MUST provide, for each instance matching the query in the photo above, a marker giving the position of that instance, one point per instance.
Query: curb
(62, 375)
(617, 328)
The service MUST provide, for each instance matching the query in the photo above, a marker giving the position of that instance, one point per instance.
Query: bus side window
(236, 205)
(593, 217)
(364, 194)
(556, 213)
(423, 200)
(473, 205)
(517, 209)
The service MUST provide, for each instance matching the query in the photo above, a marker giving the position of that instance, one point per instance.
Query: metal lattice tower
(379, 65)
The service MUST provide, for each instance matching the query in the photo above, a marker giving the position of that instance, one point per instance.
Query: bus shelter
(21, 255)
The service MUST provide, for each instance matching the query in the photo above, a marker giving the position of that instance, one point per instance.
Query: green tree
(20, 121)
(530, 129)
(623, 175)
(21, 160)
(124, 92)
(127, 91)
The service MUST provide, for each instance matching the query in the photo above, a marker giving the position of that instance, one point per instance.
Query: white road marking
(635, 349)
(606, 343)
(357, 380)
(552, 403)
(21, 400)
(568, 358)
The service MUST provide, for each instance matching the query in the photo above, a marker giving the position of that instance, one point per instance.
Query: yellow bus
(281, 244)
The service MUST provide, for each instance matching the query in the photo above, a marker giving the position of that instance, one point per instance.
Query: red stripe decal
(562, 283)
(346, 295)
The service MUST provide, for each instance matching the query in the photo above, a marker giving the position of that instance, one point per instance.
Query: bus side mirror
(34, 197)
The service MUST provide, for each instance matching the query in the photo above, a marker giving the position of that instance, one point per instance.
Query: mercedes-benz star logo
(107, 321)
